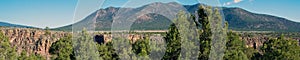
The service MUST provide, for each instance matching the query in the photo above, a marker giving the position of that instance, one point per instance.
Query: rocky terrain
(36, 41)
(33, 41)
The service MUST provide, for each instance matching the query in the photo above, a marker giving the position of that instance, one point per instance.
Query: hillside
(239, 19)
(4, 24)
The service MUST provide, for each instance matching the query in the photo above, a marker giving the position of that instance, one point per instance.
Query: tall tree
(107, 52)
(213, 34)
(235, 48)
(84, 46)
(205, 37)
(281, 49)
(62, 49)
(173, 44)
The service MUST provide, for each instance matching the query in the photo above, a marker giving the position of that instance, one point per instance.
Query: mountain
(240, 19)
(4, 24)
(141, 18)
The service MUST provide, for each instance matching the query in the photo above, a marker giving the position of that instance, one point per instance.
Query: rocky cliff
(36, 41)
(33, 41)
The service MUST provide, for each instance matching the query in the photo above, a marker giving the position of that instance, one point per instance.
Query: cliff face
(33, 41)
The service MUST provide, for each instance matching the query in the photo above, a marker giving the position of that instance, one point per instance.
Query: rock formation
(33, 41)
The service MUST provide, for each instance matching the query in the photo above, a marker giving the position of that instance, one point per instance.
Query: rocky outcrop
(36, 41)
(255, 42)
(33, 41)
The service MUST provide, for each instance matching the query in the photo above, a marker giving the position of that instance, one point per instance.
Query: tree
(141, 47)
(62, 49)
(123, 48)
(205, 37)
(107, 52)
(281, 49)
(173, 44)
(213, 34)
(7, 52)
(47, 32)
(235, 48)
(84, 46)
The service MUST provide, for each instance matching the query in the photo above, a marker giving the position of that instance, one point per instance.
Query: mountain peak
(238, 18)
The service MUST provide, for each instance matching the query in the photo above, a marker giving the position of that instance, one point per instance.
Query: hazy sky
(57, 13)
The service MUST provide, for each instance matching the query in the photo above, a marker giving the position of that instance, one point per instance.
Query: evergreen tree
(47, 32)
(107, 52)
(213, 34)
(25, 56)
(188, 36)
(84, 47)
(173, 44)
(62, 49)
(205, 37)
(235, 48)
(281, 49)
(123, 48)
(141, 47)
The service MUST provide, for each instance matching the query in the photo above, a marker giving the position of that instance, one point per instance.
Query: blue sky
(57, 13)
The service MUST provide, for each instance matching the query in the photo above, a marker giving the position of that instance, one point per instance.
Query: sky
(57, 13)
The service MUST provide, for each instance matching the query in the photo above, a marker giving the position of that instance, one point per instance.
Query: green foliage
(141, 47)
(156, 22)
(205, 37)
(281, 49)
(188, 36)
(173, 44)
(24, 56)
(62, 49)
(47, 31)
(7, 52)
(84, 46)
(235, 48)
(107, 52)
(123, 48)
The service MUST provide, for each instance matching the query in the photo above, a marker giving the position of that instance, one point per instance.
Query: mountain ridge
(239, 19)
(6, 24)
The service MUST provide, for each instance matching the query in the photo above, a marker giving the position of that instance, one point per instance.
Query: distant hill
(4, 24)
(238, 19)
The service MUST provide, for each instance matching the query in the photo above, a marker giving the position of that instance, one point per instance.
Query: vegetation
(84, 46)
(173, 44)
(107, 52)
(235, 48)
(8, 52)
(62, 49)
(281, 49)
(47, 31)
(81, 46)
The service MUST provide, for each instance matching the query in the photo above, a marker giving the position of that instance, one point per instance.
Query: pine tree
(281, 49)
(123, 48)
(205, 37)
(141, 47)
(63, 49)
(213, 34)
(107, 52)
(173, 44)
(85, 48)
(235, 48)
